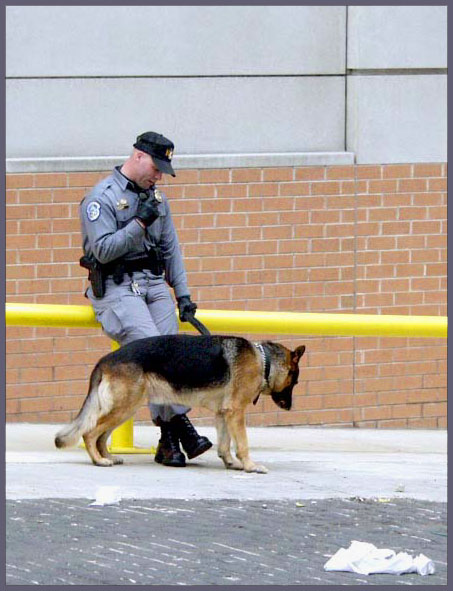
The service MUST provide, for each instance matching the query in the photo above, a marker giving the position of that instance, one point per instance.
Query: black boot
(193, 444)
(168, 451)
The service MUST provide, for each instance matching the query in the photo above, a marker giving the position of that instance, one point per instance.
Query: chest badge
(122, 204)
(158, 195)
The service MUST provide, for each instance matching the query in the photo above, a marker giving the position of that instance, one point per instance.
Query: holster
(95, 275)
(155, 260)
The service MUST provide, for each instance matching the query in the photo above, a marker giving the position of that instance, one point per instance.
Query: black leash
(197, 324)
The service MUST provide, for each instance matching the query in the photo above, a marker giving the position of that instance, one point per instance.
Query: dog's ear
(297, 354)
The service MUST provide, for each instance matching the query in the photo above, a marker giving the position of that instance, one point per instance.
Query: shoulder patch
(93, 211)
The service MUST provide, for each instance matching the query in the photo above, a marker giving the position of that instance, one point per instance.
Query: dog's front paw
(258, 468)
(117, 460)
(233, 465)
(103, 462)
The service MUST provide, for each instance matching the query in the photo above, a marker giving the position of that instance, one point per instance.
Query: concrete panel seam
(177, 76)
(346, 40)
(397, 72)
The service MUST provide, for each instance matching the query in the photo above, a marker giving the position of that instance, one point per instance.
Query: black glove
(186, 308)
(147, 210)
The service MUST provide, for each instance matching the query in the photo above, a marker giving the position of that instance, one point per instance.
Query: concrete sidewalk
(303, 463)
(204, 525)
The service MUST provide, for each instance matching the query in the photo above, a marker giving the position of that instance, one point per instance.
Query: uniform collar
(126, 183)
(120, 178)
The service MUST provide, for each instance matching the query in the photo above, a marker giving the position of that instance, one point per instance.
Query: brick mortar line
(355, 265)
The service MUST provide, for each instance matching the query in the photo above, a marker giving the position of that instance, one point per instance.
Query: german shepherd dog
(222, 373)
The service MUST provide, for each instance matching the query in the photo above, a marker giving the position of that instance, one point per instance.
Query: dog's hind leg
(101, 433)
(236, 427)
(224, 443)
(101, 444)
(90, 440)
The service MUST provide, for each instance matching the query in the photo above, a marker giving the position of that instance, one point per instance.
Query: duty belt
(118, 268)
(129, 266)
(98, 272)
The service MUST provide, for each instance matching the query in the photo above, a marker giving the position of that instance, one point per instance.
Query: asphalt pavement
(204, 525)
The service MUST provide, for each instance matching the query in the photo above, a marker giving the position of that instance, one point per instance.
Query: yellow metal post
(122, 440)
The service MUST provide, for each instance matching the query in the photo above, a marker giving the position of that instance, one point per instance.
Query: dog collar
(266, 366)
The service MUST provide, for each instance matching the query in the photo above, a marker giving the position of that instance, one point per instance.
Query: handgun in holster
(95, 275)
(155, 259)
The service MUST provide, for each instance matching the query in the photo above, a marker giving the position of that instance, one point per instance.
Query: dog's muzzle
(284, 398)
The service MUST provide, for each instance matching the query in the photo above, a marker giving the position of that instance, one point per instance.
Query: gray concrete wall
(87, 80)
(201, 115)
(381, 37)
(82, 81)
(45, 41)
(397, 118)
(397, 83)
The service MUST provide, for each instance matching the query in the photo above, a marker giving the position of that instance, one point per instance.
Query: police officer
(132, 251)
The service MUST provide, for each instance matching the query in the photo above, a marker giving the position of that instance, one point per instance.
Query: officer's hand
(147, 211)
(186, 308)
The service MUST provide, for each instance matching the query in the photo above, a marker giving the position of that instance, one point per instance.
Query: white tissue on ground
(107, 495)
(365, 559)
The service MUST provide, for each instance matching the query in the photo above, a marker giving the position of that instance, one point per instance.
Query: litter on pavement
(365, 559)
(107, 495)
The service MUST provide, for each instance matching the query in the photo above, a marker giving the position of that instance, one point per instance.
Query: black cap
(159, 147)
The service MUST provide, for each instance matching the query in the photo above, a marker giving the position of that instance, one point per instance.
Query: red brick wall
(365, 239)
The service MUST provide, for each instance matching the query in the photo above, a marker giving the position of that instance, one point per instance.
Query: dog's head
(286, 373)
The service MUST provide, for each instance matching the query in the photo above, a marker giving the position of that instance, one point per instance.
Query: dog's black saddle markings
(185, 361)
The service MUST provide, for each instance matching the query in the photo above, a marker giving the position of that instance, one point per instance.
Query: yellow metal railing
(232, 321)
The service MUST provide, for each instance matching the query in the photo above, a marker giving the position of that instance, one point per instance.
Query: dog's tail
(87, 417)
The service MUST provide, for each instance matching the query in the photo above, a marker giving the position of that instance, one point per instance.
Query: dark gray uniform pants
(126, 317)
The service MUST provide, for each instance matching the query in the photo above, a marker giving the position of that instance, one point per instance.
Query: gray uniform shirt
(109, 230)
